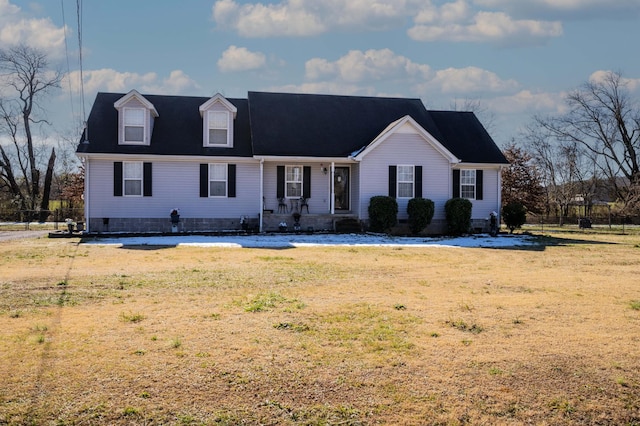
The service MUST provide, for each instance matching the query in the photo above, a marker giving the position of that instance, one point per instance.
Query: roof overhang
(292, 158)
(462, 165)
(162, 157)
(135, 94)
(218, 98)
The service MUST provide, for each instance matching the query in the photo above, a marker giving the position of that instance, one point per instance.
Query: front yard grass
(318, 336)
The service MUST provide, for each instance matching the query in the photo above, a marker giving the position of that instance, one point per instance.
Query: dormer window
(219, 128)
(217, 122)
(134, 125)
(136, 117)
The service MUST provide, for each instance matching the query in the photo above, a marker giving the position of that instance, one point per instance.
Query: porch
(308, 222)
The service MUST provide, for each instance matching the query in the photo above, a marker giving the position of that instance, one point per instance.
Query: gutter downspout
(261, 214)
(499, 195)
(87, 182)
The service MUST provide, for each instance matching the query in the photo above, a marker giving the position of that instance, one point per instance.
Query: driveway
(15, 235)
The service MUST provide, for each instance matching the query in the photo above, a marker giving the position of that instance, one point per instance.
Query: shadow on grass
(544, 241)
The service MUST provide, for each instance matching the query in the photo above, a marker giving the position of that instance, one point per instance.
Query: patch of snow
(317, 240)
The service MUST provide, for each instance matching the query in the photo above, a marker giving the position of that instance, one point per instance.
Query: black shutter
(147, 180)
(479, 185)
(231, 180)
(117, 179)
(204, 180)
(280, 182)
(418, 182)
(393, 171)
(456, 184)
(306, 182)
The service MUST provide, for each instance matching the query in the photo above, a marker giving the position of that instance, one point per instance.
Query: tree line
(587, 156)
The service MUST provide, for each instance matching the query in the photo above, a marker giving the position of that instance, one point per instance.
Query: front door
(341, 188)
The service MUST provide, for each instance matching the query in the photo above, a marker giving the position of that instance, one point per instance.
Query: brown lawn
(321, 336)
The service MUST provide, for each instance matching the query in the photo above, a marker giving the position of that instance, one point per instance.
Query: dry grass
(315, 336)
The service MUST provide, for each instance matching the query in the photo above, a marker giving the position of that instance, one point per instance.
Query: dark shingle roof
(177, 130)
(464, 135)
(324, 125)
(279, 124)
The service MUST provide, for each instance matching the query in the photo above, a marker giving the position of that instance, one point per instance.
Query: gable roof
(398, 124)
(177, 130)
(281, 124)
(135, 94)
(218, 98)
(324, 125)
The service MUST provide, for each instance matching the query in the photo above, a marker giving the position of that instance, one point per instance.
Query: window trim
(125, 179)
(412, 182)
(468, 184)
(225, 180)
(210, 126)
(287, 181)
(125, 125)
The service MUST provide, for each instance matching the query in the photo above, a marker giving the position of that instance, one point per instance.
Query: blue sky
(517, 58)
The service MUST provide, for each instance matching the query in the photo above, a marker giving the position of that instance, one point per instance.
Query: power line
(66, 51)
(79, 16)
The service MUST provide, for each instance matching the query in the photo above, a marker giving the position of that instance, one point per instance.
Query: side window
(134, 125)
(293, 181)
(132, 178)
(217, 180)
(468, 184)
(405, 181)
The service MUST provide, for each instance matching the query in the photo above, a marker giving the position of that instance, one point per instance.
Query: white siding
(407, 149)
(320, 195)
(490, 188)
(176, 184)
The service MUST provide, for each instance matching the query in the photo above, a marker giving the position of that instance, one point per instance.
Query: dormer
(135, 119)
(217, 122)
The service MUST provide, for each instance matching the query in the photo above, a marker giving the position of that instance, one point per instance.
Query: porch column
(261, 209)
(332, 196)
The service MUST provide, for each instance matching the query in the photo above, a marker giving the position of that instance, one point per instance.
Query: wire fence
(42, 218)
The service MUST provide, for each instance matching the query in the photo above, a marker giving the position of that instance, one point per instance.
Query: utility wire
(66, 51)
(79, 15)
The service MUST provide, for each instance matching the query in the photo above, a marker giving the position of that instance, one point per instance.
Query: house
(224, 163)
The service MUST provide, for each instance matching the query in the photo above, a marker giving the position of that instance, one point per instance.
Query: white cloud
(565, 9)
(357, 66)
(258, 20)
(456, 21)
(495, 27)
(528, 102)
(469, 80)
(110, 80)
(600, 76)
(240, 59)
(37, 33)
(301, 18)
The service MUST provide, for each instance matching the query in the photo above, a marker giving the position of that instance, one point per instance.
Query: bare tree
(25, 77)
(561, 165)
(604, 121)
(484, 114)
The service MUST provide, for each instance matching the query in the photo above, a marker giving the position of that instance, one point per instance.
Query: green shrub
(383, 213)
(420, 212)
(458, 214)
(514, 215)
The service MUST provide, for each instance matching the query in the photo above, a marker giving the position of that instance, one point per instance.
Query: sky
(512, 59)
